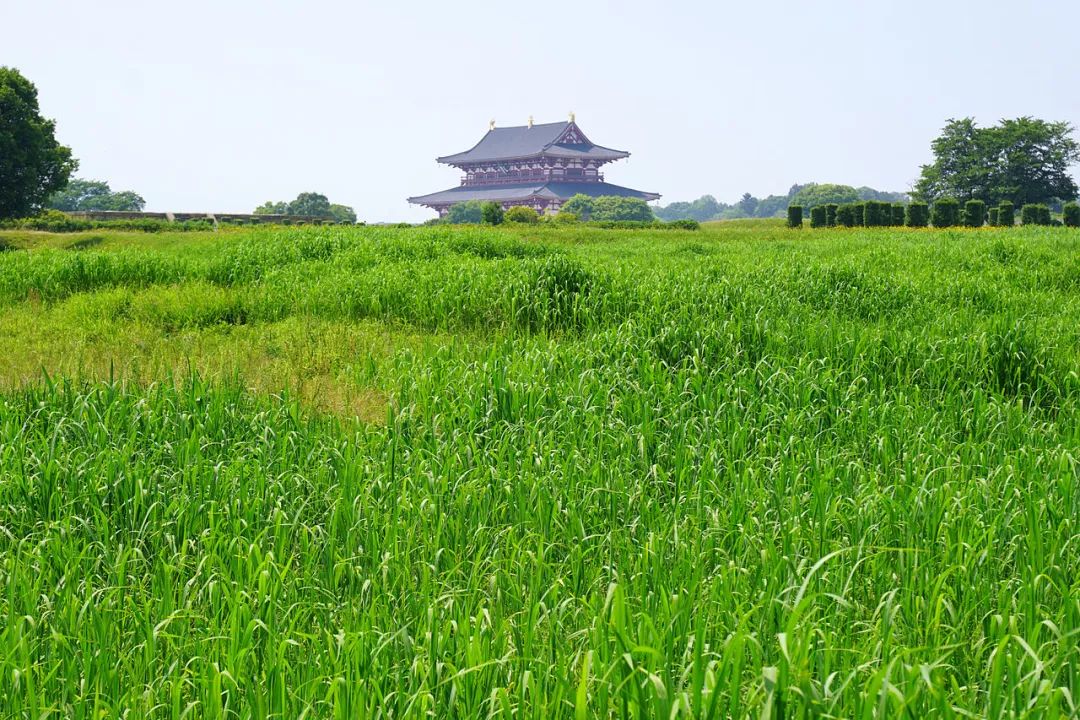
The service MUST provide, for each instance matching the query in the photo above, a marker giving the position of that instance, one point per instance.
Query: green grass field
(540, 472)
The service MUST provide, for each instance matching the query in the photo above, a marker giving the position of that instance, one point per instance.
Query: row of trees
(605, 208)
(946, 212)
(808, 195)
(310, 204)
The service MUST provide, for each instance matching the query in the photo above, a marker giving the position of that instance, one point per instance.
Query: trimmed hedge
(860, 213)
(974, 213)
(918, 215)
(845, 215)
(993, 214)
(818, 216)
(830, 214)
(1035, 214)
(794, 216)
(945, 213)
(1006, 213)
(898, 211)
(872, 215)
(1071, 212)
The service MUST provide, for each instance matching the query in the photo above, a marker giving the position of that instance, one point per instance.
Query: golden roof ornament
(530, 121)
(571, 116)
(491, 125)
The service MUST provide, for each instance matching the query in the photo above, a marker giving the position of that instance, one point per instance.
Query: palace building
(538, 166)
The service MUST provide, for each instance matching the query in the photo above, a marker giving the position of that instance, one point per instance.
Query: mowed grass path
(463, 472)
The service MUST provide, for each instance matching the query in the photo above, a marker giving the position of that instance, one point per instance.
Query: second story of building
(533, 153)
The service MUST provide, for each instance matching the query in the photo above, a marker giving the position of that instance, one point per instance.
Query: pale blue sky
(219, 106)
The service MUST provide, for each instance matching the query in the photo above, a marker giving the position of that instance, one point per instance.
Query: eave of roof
(523, 191)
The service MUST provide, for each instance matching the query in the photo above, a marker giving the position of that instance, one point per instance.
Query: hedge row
(946, 212)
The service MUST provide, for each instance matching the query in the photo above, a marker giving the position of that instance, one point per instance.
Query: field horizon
(540, 471)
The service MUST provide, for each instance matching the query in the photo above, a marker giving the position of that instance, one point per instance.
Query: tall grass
(625, 475)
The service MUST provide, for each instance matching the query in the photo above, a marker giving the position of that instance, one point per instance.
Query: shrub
(579, 205)
(615, 208)
(974, 213)
(945, 213)
(845, 215)
(898, 214)
(818, 216)
(564, 216)
(993, 214)
(466, 212)
(1071, 212)
(830, 214)
(1035, 214)
(683, 224)
(491, 213)
(1006, 213)
(859, 209)
(794, 216)
(522, 214)
(872, 214)
(918, 215)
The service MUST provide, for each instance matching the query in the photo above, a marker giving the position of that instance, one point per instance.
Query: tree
(84, 195)
(343, 214)
(611, 208)
(33, 165)
(748, 204)
(491, 213)
(311, 204)
(813, 194)
(464, 212)
(580, 205)
(1023, 160)
(272, 208)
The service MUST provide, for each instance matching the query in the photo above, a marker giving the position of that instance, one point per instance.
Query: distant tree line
(807, 195)
(87, 195)
(310, 204)
(586, 208)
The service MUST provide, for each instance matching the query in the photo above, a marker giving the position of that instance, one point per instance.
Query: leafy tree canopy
(1025, 160)
(491, 213)
(85, 195)
(465, 212)
(814, 194)
(610, 208)
(33, 165)
(310, 204)
(580, 205)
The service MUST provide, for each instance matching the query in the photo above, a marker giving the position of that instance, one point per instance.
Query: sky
(220, 106)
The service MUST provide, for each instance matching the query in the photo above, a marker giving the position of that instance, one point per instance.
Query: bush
(945, 213)
(818, 216)
(491, 213)
(830, 214)
(1006, 213)
(898, 214)
(566, 217)
(522, 214)
(993, 214)
(872, 214)
(794, 216)
(845, 215)
(918, 215)
(683, 224)
(859, 209)
(1035, 214)
(974, 213)
(1071, 212)
(615, 209)
(466, 212)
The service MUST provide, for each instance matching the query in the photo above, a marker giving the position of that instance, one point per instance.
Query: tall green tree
(272, 208)
(83, 195)
(1025, 160)
(33, 165)
(614, 208)
(310, 203)
(580, 205)
(342, 213)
